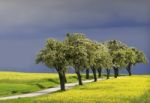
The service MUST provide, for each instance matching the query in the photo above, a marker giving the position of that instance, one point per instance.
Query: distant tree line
(82, 53)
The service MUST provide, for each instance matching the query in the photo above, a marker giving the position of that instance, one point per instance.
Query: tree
(98, 57)
(117, 50)
(77, 53)
(130, 59)
(133, 57)
(92, 50)
(119, 61)
(91, 47)
(103, 59)
(53, 55)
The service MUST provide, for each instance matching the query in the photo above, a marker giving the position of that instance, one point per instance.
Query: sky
(26, 24)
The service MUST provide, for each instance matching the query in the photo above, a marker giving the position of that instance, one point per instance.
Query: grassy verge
(13, 83)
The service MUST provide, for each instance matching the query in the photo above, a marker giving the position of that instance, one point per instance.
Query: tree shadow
(56, 81)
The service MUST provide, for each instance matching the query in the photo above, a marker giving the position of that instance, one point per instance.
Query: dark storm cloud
(36, 18)
(25, 24)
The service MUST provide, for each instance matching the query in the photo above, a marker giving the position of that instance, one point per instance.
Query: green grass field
(12, 83)
(134, 89)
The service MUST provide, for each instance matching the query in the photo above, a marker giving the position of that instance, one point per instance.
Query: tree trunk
(94, 74)
(129, 69)
(79, 77)
(99, 72)
(116, 72)
(87, 73)
(65, 79)
(117, 69)
(62, 81)
(108, 73)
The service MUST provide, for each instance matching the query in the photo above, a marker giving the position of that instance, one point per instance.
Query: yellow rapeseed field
(121, 90)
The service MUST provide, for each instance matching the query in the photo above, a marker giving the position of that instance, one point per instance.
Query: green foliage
(130, 56)
(140, 56)
(53, 55)
(92, 52)
(76, 50)
(117, 50)
(103, 59)
(84, 52)
(119, 58)
(114, 45)
(80, 52)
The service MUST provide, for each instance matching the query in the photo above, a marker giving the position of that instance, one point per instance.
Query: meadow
(125, 89)
(13, 83)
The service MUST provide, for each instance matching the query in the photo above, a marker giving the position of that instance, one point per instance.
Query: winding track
(46, 91)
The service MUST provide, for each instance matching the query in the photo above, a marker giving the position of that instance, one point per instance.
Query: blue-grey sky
(26, 24)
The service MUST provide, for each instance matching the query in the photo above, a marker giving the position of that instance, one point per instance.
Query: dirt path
(46, 91)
